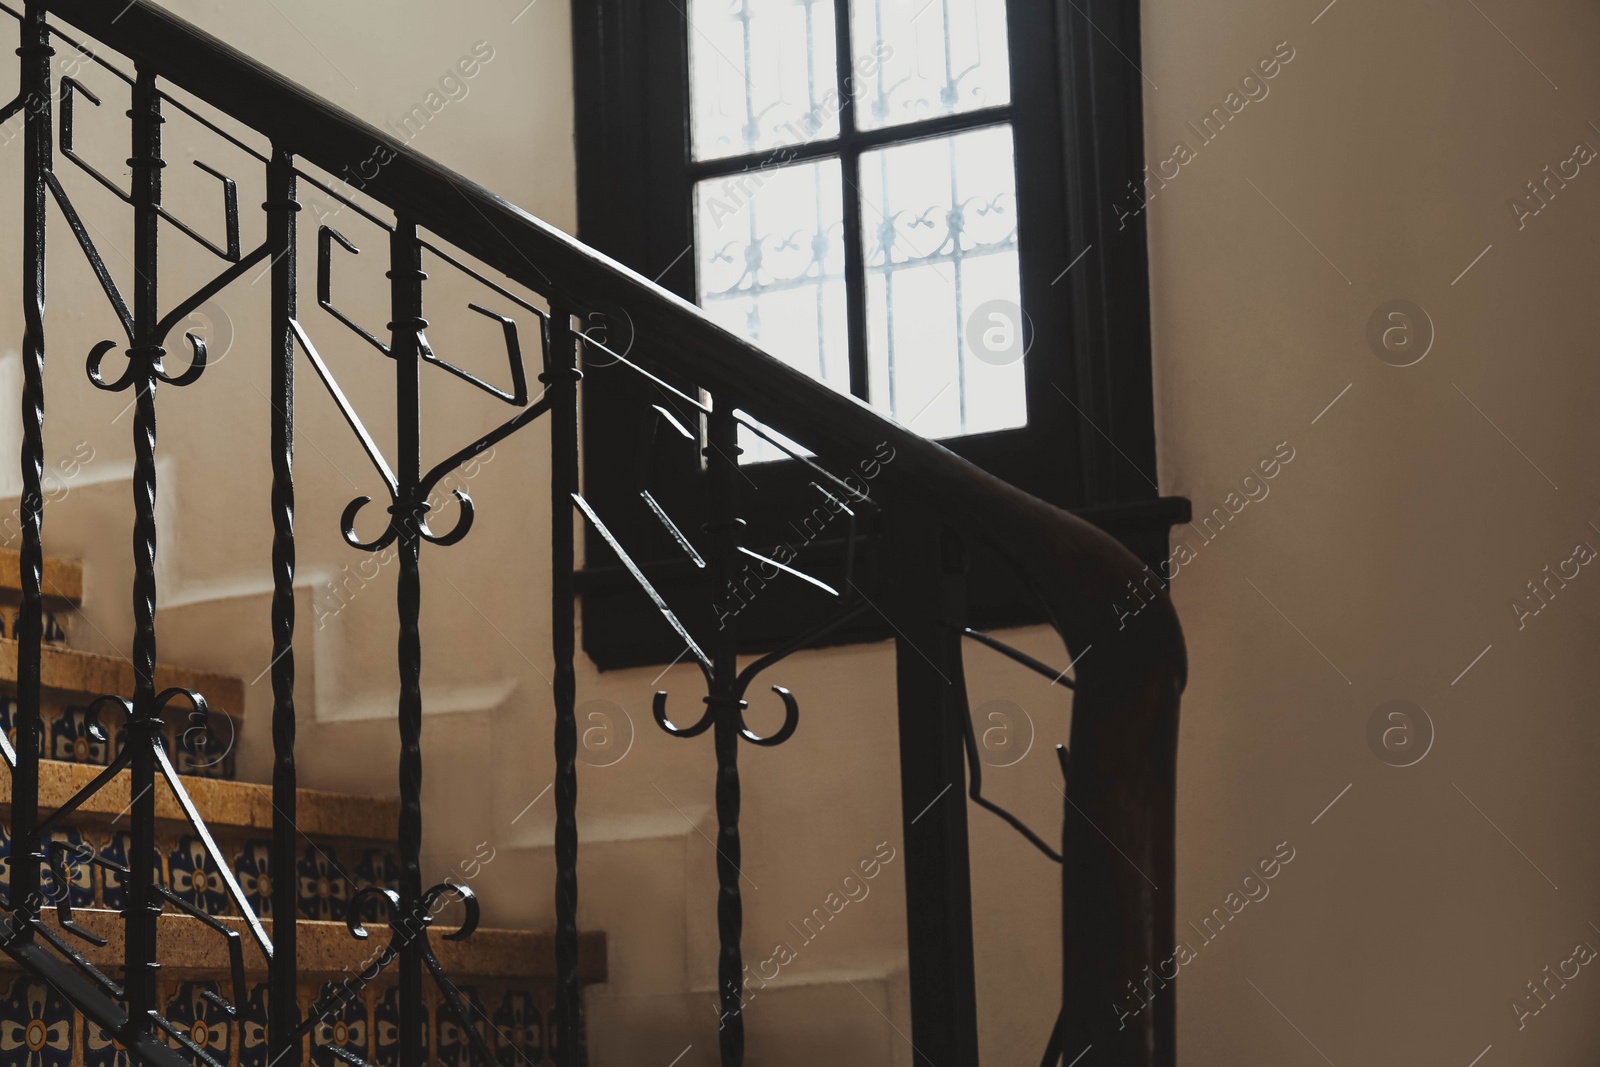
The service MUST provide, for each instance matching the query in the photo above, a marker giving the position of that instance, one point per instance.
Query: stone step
(347, 841)
(505, 977)
(848, 1017)
(245, 806)
(61, 584)
(72, 680)
(326, 950)
(68, 674)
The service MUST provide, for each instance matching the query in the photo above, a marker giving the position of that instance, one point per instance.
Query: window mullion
(855, 264)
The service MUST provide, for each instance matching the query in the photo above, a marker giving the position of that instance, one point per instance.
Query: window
(914, 201)
(881, 192)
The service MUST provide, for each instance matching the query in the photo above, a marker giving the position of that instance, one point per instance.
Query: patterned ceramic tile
(253, 1029)
(345, 1028)
(203, 1022)
(55, 630)
(35, 1026)
(386, 1030)
(204, 745)
(455, 1042)
(72, 738)
(80, 872)
(195, 877)
(100, 1049)
(114, 849)
(253, 868)
(378, 866)
(8, 712)
(324, 888)
(519, 1030)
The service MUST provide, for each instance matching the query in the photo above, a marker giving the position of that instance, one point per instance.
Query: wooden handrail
(1118, 915)
(680, 336)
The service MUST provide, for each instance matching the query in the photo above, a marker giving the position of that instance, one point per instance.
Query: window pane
(945, 330)
(761, 74)
(771, 268)
(915, 59)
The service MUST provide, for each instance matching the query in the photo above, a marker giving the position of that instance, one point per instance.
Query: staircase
(505, 976)
(158, 911)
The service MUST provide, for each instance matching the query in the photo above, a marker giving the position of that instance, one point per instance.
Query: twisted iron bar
(727, 686)
(146, 331)
(408, 934)
(725, 700)
(409, 491)
(144, 724)
(409, 497)
(35, 52)
(282, 1000)
(143, 755)
(123, 759)
(407, 515)
(724, 529)
(140, 1026)
(560, 380)
(408, 488)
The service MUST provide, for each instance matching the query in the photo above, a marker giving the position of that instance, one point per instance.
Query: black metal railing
(910, 534)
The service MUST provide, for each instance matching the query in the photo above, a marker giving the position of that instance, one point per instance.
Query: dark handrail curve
(1117, 912)
(558, 266)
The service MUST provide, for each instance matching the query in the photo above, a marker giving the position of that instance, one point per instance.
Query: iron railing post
(405, 285)
(1115, 918)
(38, 149)
(561, 383)
(283, 1008)
(144, 726)
(928, 608)
(723, 531)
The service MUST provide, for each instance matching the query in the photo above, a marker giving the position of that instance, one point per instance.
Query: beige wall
(1395, 541)
(1398, 538)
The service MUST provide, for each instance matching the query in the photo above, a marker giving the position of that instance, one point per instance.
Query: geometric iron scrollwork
(128, 1009)
(409, 487)
(726, 685)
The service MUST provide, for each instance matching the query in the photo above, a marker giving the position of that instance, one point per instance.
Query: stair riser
(56, 625)
(328, 874)
(201, 746)
(505, 976)
(511, 1016)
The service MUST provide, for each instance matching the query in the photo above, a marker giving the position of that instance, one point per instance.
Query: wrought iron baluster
(934, 734)
(727, 705)
(407, 516)
(282, 996)
(411, 908)
(726, 688)
(926, 601)
(561, 384)
(136, 1022)
(144, 727)
(35, 52)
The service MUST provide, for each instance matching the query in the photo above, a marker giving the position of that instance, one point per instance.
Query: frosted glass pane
(770, 258)
(761, 74)
(916, 59)
(945, 331)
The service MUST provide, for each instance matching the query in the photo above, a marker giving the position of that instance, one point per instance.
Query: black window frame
(1089, 445)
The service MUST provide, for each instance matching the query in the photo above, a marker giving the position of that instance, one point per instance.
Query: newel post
(927, 605)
